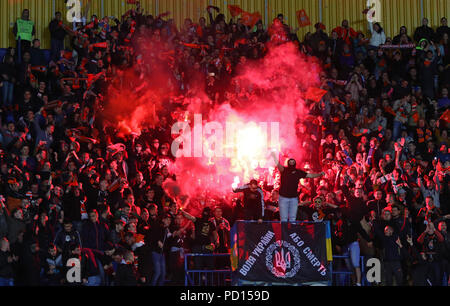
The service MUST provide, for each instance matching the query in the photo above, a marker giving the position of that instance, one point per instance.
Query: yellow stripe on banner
(329, 250)
(234, 258)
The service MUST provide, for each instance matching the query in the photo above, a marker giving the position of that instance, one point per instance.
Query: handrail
(187, 277)
(223, 271)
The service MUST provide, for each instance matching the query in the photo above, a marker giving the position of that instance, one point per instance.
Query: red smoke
(275, 87)
(282, 79)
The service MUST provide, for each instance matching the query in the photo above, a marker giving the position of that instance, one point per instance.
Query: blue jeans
(102, 272)
(6, 282)
(288, 209)
(94, 281)
(159, 269)
(353, 251)
(8, 93)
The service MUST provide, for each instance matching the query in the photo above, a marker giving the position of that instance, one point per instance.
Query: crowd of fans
(73, 188)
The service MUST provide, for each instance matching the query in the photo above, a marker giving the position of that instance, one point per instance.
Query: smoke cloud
(274, 88)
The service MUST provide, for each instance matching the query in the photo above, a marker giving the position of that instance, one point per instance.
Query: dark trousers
(176, 268)
(393, 269)
(446, 267)
(418, 273)
(56, 47)
(434, 273)
(22, 46)
(222, 262)
(202, 262)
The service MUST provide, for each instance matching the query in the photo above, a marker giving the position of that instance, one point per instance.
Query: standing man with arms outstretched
(290, 176)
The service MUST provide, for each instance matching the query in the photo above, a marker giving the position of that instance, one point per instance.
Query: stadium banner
(281, 253)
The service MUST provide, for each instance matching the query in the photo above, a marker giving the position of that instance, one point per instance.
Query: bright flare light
(250, 147)
(236, 182)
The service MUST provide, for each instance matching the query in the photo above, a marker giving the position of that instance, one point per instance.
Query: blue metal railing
(222, 277)
(204, 277)
(341, 275)
(210, 277)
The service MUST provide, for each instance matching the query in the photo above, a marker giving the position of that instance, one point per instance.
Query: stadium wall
(394, 13)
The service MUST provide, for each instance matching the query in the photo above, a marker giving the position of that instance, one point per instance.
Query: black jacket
(155, 234)
(125, 275)
(159, 193)
(56, 31)
(37, 57)
(72, 207)
(9, 70)
(423, 32)
(6, 268)
(63, 239)
(440, 32)
(346, 232)
(94, 235)
(391, 250)
(356, 207)
(377, 206)
(253, 202)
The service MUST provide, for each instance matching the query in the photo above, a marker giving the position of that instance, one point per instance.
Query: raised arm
(337, 181)
(436, 181)
(277, 162)
(371, 27)
(261, 215)
(420, 183)
(188, 215)
(398, 152)
(305, 203)
(216, 240)
(314, 175)
(211, 18)
(331, 205)
(86, 9)
(240, 188)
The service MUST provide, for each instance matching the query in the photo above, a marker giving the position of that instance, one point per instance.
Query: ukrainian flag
(234, 256)
(328, 242)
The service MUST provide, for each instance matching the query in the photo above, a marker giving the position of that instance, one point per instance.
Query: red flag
(92, 78)
(103, 45)
(235, 10)
(446, 116)
(198, 29)
(195, 46)
(302, 18)
(76, 83)
(67, 55)
(250, 19)
(315, 94)
(131, 1)
(100, 45)
(336, 100)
